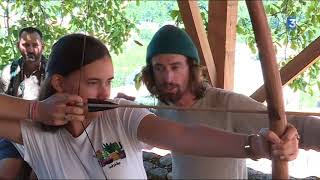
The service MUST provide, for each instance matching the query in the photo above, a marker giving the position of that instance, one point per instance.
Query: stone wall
(159, 167)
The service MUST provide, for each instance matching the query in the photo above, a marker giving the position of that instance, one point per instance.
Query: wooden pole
(272, 79)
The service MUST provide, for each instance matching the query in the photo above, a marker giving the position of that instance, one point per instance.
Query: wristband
(248, 147)
(32, 110)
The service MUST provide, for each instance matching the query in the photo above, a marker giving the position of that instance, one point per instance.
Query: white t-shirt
(28, 87)
(58, 155)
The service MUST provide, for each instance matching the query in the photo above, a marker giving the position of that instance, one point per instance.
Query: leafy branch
(106, 20)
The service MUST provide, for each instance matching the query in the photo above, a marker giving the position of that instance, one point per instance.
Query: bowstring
(80, 74)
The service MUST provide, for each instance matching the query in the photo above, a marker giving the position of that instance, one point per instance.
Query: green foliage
(105, 19)
(307, 14)
(145, 35)
(309, 101)
(127, 65)
(308, 82)
(151, 11)
(138, 80)
(203, 6)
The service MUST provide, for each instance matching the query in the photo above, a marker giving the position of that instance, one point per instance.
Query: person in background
(111, 147)
(1, 86)
(173, 75)
(22, 78)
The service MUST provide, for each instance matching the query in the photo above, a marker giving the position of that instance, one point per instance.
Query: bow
(272, 79)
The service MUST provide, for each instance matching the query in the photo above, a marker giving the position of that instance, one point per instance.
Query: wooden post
(272, 79)
(222, 27)
(192, 20)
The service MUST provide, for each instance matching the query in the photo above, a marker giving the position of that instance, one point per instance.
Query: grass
(128, 64)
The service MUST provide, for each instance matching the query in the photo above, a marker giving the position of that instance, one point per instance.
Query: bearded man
(22, 78)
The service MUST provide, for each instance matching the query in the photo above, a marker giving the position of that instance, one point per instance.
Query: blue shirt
(7, 150)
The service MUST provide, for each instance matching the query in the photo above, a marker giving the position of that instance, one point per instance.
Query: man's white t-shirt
(118, 152)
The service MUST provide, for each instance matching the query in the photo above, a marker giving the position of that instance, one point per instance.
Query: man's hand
(60, 108)
(289, 147)
(124, 96)
(286, 148)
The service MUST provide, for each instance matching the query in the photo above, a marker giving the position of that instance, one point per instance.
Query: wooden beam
(271, 75)
(222, 27)
(193, 23)
(295, 67)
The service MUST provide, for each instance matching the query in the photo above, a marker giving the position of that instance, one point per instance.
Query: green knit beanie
(172, 40)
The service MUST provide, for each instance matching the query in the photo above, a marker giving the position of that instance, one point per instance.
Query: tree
(105, 19)
(294, 25)
(151, 11)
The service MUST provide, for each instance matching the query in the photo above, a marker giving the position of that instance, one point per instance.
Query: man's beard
(31, 57)
(172, 97)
